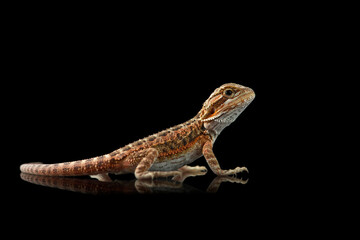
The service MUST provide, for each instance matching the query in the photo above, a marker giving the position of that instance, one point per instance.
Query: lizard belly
(177, 162)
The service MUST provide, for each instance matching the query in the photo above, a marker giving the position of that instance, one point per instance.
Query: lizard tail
(91, 166)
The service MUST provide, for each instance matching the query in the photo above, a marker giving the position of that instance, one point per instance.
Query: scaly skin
(168, 152)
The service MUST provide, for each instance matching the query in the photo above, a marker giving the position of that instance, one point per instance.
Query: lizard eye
(229, 93)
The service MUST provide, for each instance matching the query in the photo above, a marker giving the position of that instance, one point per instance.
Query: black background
(86, 86)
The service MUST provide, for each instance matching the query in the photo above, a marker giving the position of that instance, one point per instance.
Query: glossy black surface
(119, 185)
(82, 85)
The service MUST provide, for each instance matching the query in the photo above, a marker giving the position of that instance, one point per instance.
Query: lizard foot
(187, 171)
(232, 171)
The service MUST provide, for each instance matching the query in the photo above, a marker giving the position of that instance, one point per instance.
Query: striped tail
(91, 166)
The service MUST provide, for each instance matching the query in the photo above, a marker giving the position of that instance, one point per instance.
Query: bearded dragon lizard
(168, 152)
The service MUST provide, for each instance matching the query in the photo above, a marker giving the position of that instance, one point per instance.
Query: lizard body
(165, 153)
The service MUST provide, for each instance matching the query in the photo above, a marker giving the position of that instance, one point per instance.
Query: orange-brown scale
(179, 141)
(76, 168)
(177, 151)
(169, 143)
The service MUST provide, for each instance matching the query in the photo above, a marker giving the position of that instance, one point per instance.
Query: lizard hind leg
(188, 171)
(142, 169)
(102, 177)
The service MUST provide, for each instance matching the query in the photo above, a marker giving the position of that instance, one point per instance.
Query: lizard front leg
(142, 169)
(214, 164)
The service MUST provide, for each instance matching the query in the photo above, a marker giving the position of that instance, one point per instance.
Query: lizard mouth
(247, 96)
(233, 110)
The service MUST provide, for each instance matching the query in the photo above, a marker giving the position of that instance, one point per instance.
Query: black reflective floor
(91, 186)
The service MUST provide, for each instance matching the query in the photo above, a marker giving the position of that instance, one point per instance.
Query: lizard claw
(241, 169)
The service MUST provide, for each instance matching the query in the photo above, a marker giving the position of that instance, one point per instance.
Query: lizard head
(224, 105)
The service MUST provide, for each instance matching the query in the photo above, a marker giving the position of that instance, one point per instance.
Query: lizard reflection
(134, 186)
